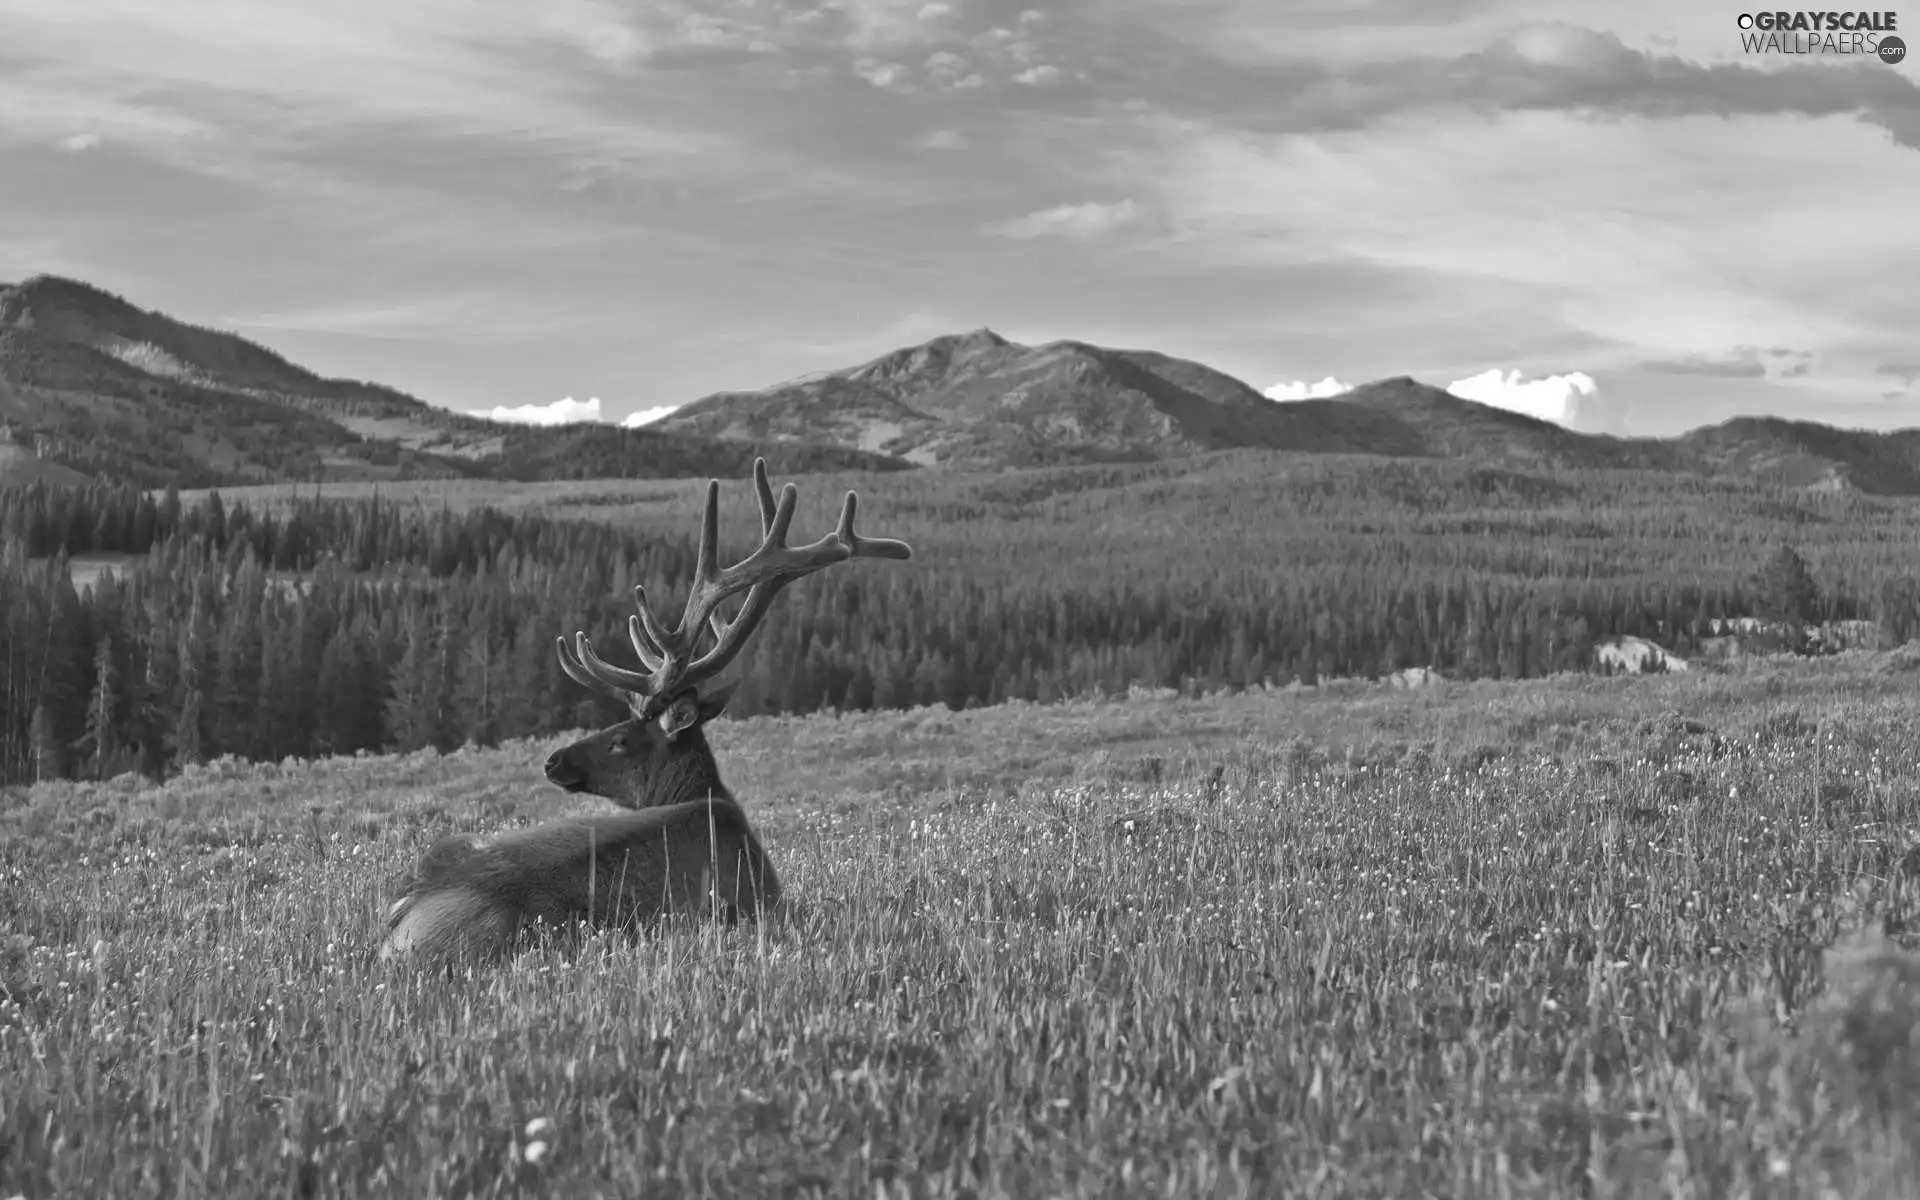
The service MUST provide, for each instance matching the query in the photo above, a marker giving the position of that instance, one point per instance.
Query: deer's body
(685, 845)
(472, 895)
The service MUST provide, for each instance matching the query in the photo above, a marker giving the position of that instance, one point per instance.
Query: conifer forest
(271, 624)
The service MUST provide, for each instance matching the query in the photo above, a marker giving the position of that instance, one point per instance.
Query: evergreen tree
(414, 716)
(1785, 588)
(189, 738)
(101, 742)
(50, 758)
(476, 699)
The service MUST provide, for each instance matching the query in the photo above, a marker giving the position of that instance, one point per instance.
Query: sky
(1611, 215)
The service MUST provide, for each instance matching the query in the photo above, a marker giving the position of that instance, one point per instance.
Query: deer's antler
(668, 654)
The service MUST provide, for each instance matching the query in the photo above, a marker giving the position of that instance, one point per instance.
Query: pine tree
(101, 742)
(189, 740)
(476, 698)
(414, 719)
(49, 756)
(348, 703)
(1785, 588)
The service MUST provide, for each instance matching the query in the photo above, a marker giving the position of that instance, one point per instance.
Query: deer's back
(607, 867)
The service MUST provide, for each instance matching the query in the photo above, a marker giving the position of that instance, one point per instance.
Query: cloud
(78, 143)
(868, 23)
(460, 70)
(1555, 398)
(1302, 390)
(1077, 222)
(1906, 373)
(458, 317)
(878, 73)
(1749, 367)
(1540, 66)
(1621, 241)
(564, 411)
(949, 70)
(1743, 362)
(568, 411)
(647, 416)
(944, 139)
(1040, 75)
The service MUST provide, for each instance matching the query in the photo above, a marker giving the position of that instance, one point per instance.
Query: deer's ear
(683, 713)
(715, 702)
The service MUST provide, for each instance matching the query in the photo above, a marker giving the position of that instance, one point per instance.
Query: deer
(679, 841)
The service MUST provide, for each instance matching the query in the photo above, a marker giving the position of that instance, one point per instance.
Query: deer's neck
(691, 774)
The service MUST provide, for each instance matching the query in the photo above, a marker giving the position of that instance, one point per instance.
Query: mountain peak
(982, 337)
(931, 358)
(57, 292)
(1400, 388)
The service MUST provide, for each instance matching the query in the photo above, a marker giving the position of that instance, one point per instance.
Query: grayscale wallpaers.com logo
(1866, 33)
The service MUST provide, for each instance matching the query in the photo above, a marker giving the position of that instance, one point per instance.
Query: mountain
(978, 400)
(92, 384)
(1808, 454)
(1447, 426)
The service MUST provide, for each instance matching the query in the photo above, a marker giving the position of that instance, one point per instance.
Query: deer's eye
(620, 744)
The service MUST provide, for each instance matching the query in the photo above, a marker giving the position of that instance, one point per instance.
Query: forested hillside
(307, 626)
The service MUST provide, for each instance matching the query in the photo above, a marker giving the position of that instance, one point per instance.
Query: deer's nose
(565, 772)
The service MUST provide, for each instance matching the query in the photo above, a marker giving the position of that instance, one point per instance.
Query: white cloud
(1555, 398)
(1302, 390)
(79, 142)
(564, 411)
(646, 416)
(594, 28)
(948, 69)
(879, 74)
(568, 411)
(944, 139)
(1075, 221)
(1044, 75)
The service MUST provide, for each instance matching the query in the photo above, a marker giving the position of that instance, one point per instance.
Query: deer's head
(642, 763)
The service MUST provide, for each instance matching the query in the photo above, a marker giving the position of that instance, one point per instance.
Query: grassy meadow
(1565, 937)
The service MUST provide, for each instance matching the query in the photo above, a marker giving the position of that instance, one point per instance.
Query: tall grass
(1564, 938)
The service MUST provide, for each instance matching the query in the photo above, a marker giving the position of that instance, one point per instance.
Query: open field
(1563, 937)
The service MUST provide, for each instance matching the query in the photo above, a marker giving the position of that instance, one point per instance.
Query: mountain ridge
(93, 384)
(978, 399)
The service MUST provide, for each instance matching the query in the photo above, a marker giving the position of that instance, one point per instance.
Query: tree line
(328, 626)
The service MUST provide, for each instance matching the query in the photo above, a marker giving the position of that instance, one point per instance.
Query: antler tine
(643, 630)
(863, 547)
(763, 491)
(578, 670)
(573, 669)
(618, 678)
(709, 547)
